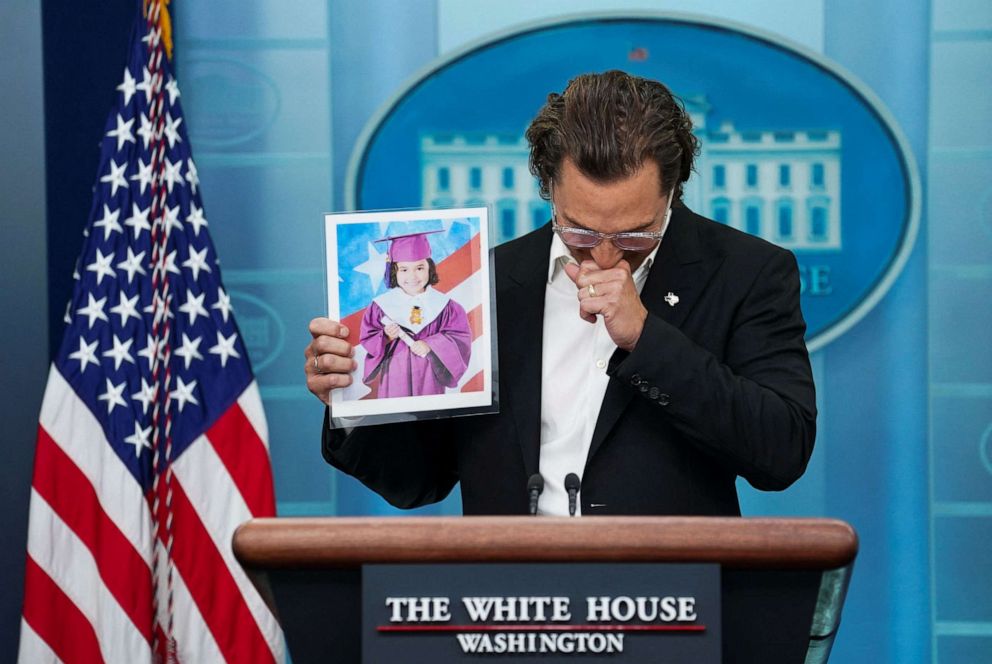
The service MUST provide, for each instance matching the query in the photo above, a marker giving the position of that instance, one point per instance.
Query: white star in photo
(121, 352)
(146, 85)
(191, 175)
(127, 86)
(139, 439)
(170, 262)
(172, 129)
(172, 176)
(146, 395)
(374, 268)
(126, 308)
(113, 396)
(189, 350)
(94, 309)
(195, 218)
(197, 261)
(144, 177)
(109, 222)
(172, 219)
(193, 307)
(151, 37)
(133, 264)
(67, 318)
(148, 352)
(123, 132)
(116, 177)
(173, 89)
(147, 133)
(86, 355)
(223, 303)
(225, 347)
(184, 393)
(102, 266)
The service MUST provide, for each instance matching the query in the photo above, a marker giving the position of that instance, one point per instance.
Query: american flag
(152, 443)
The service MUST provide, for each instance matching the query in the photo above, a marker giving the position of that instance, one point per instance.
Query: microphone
(572, 484)
(535, 486)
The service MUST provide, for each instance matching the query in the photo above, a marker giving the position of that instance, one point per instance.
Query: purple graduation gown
(403, 374)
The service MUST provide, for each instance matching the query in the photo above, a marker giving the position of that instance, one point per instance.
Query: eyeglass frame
(612, 237)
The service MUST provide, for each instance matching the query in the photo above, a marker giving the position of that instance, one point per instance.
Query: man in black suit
(654, 352)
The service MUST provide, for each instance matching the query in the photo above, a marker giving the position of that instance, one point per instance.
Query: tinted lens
(581, 240)
(635, 243)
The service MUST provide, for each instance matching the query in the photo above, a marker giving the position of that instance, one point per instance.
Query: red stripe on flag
(56, 619)
(210, 584)
(247, 460)
(457, 267)
(123, 571)
(474, 384)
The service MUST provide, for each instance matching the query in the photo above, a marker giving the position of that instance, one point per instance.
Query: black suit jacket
(719, 385)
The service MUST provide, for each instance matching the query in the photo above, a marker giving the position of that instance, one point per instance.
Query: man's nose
(606, 255)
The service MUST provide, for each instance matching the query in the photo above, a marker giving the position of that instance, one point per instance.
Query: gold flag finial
(164, 22)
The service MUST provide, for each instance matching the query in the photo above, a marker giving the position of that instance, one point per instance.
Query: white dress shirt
(574, 357)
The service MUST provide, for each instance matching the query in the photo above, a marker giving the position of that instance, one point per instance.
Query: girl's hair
(432, 277)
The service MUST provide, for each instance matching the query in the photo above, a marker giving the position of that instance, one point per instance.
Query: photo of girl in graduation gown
(417, 339)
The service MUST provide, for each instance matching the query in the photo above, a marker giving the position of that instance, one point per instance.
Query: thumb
(572, 270)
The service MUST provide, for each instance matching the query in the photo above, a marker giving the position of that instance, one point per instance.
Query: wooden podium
(783, 581)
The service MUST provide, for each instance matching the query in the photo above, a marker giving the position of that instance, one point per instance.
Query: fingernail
(343, 331)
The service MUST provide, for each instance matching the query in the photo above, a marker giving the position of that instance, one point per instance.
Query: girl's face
(412, 276)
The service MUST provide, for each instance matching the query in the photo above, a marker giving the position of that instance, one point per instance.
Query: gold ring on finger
(315, 367)
(592, 290)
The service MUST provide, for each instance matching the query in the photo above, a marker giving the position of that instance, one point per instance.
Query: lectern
(782, 581)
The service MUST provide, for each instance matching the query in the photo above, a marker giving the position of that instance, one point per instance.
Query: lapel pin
(672, 299)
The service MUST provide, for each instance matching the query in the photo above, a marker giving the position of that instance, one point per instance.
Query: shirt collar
(561, 256)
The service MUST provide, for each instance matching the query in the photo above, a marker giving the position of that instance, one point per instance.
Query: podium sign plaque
(596, 612)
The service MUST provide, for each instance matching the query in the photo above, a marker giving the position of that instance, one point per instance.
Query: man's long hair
(608, 124)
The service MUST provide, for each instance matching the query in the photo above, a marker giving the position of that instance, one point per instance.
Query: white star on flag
(133, 264)
(193, 307)
(113, 396)
(94, 309)
(189, 350)
(102, 266)
(146, 395)
(184, 393)
(109, 222)
(172, 219)
(144, 176)
(146, 84)
(223, 303)
(173, 89)
(86, 355)
(374, 268)
(116, 177)
(191, 175)
(148, 352)
(121, 352)
(197, 261)
(139, 439)
(172, 129)
(123, 132)
(172, 175)
(138, 219)
(195, 217)
(225, 347)
(146, 131)
(126, 307)
(127, 87)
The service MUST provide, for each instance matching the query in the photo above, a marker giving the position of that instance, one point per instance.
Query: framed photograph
(415, 290)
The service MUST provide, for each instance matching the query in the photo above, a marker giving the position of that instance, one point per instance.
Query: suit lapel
(521, 315)
(681, 269)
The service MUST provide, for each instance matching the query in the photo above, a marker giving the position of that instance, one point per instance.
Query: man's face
(632, 204)
(412, 276)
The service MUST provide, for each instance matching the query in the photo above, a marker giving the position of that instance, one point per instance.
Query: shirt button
(653, 393)
(635, 380)
(600, 364)
(663, 399)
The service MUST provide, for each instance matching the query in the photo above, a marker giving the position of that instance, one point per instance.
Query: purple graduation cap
(408, 247)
